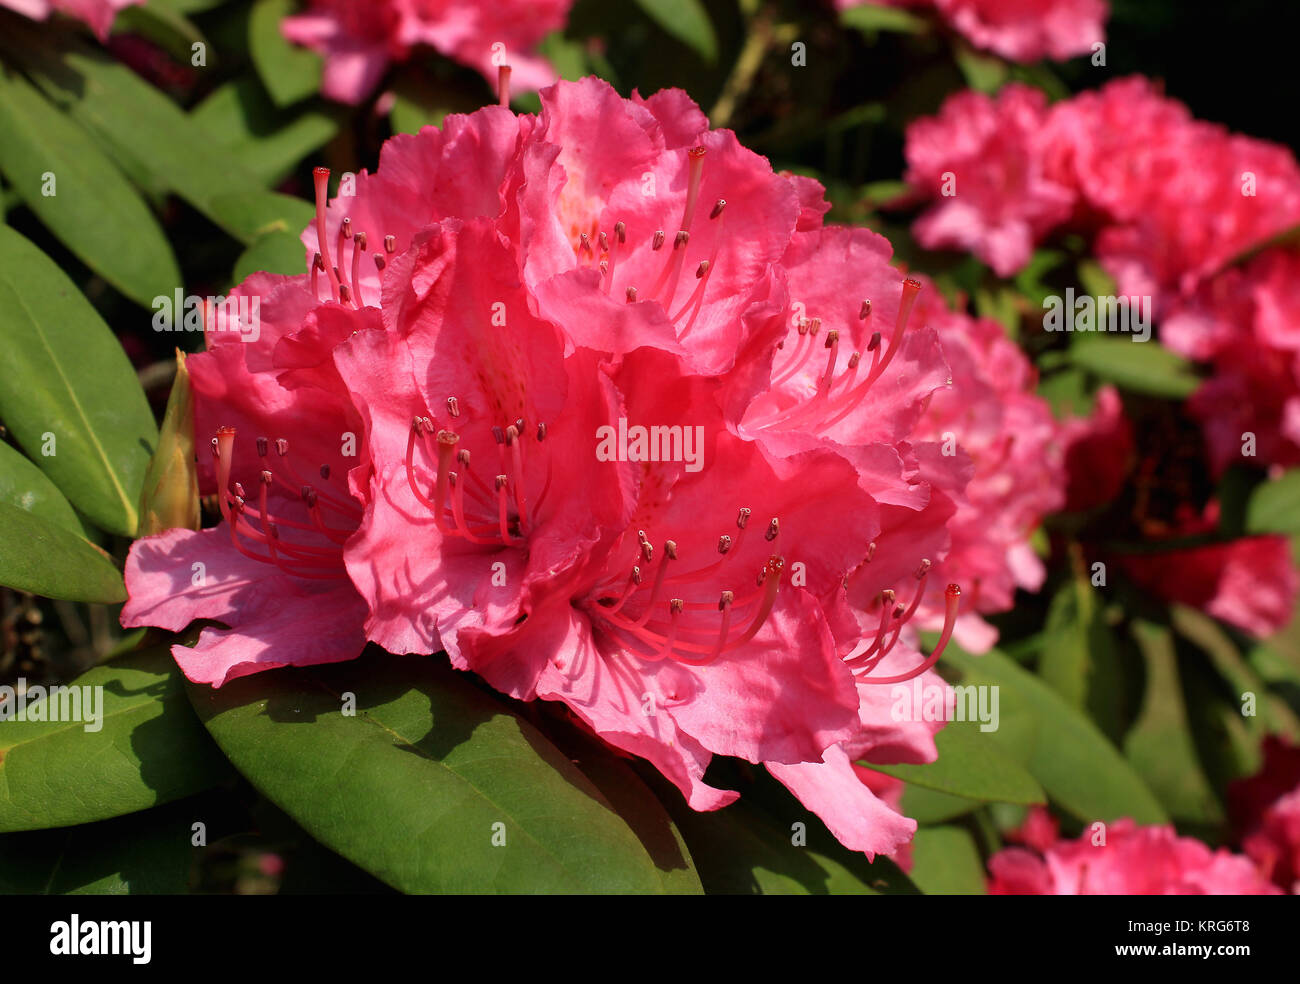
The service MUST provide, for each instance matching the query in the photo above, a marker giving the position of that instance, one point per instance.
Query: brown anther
(924, 569)
(742, 517)
(875, 342)
(498, 434)
(631, 295)
(462, 458)
(261, 447)
(647, 551)
(803, 326)
(814, 326)
(636, 574)
(724, 543)
(584, 242)
(361, 241)
(325, 472)
(502, 481)
(346, 228)
(317, 263)
(702, 269)
(453, 406)
(670, 549)
(854, 359)
(718, 206)
(266, 477)
(604, 242)
(281, 446)
(681, 239)
(345, 293)
(239, 491)
(773, 528)
(832, 337)
(449, 438)
(380, 263)
(541, 432)
(871, 551)
(725, 601)
(658, 240)
(676, 605)
(512, 435)
(390, 244)
(620, 231)
(309, 496)
(865, 311)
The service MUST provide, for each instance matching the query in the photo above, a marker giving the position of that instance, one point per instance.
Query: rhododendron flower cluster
(98, 15)
(1120, 858)
(735, 573)
(360, 40)
(1021, 30)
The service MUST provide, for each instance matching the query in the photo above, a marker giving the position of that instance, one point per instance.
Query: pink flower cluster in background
(98, 15)
(360, 40)
(1021, 30)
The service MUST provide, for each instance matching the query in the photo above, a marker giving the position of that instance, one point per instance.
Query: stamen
(695, 165)
(321, 177)
(952, 599)
(502, 482)
(358, 247)
(503, 85)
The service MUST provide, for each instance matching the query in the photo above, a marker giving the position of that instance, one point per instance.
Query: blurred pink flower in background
(360, 40)
(98, 15)
(1099, 452)
(1133, 860)
(983, 160)
(1265, 813)
(1021, 30)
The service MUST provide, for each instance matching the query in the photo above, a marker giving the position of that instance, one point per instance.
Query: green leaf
(289, 72)
(415, 786)
(945, 861)
(149, 749)
(48, 559)
(1160, 744)
(70, 397)
(1275, 505)
(147, 853)
(739, 850)
(970, 765)
(1080, 770)
(687, 21)
(1143, 367)
(276, 252)
(929, 806)
(80, 195)
(870, 17)
(250, 215)
(166, 26)
(24, 485)
(269, 142)
(145, 131)
(1079, 657)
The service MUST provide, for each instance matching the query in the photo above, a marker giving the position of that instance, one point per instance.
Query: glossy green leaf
(1275, 505)
(70, 396)
(1072, 760)
(970, 765)
(250, 215)
(289, 72)
(686, 20)
(50, 560)
(81, 196)
(24, 485)
(1143, 367)
(1079, 657)
(871, 17)
(147, 853)
(945, 861)
(144, 130)
(442, 770)
(1160, 744)
(276, 252)
(149, 748)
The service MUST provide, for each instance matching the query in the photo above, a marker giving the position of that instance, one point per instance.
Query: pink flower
(984, 161)
(640, 226)
(284, 435)
(1016, 450)
(97, 14)
(359, 41)
(1265, 811)
(1021, 30)
(1244, 322)
(1129, 860)
(1098, 453)
(1250, 582)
